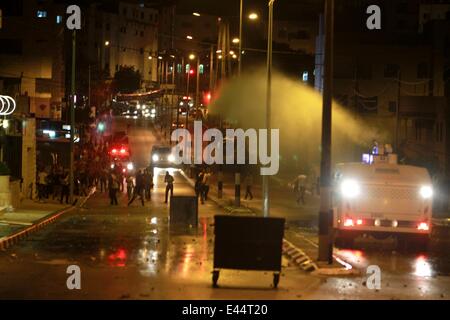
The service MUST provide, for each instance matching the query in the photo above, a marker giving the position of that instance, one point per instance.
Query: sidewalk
(31, 216)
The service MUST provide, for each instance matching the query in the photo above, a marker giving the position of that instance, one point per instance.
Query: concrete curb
(298, 256)
(10, 240)
(14, 238)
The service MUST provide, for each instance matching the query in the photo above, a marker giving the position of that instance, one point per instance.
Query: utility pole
(240, 37)
(197, 88)
(187, 94)
(211, 70)
(265, 178)
(72, 120)
(89, 85)
(326, 212)
(172, 104)
(397, 110)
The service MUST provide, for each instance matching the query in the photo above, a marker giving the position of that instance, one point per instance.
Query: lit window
(305, 76)
(58, 19)
(41, 14)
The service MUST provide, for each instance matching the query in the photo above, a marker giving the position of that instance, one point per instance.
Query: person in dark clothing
(65, 190)
(138, 188)
(168, 179)
(248, 186)
(103, 178)
(199, 185)
(113, 188)
(148, 181)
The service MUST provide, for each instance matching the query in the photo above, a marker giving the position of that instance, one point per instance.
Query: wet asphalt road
(129, 253)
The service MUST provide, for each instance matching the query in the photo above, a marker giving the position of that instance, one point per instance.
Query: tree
(127, 80)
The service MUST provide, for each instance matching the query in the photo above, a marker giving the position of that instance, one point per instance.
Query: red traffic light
(191, 71)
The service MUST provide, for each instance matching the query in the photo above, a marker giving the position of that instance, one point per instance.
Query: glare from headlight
(155, 157)
(130, 166)
(350, 188)
(426, 192)
(171, 158)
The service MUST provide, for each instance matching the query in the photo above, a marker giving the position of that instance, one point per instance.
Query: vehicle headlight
(171, 158)
(130, 166)
(112, 166)
(350, 188)
(155, 157)
(426, 192)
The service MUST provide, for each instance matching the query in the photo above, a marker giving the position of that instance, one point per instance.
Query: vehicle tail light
(114, 151)
(359, 222)
(423, 226)
(124, 170)
(122, 150)
(348, 223)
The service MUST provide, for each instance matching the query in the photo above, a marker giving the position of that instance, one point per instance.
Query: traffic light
(100, 127)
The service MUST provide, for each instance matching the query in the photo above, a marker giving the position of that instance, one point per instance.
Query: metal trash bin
(248, 243)
(183, 212)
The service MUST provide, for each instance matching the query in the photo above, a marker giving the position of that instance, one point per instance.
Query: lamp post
(72, 121)
(265, 181)
(240, 37)
(326, 213)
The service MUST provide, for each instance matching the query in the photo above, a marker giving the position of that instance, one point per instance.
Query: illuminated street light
(235, 40)
(196, 14)
(191, 56)
(231, 52)
(150, 57)
(234, 56)
(253, 16)
(160, 58)
(219, 51)
(106, 43)
(219, 57)
(189, 37)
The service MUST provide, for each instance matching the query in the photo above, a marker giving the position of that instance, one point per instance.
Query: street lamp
(196, 14)
(253, 16)
(189, 37)
(106, 43)
(235, 40)
(265, 181)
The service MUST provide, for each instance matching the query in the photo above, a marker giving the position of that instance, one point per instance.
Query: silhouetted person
(248, 186)
(65, 190)
(148, 182)
(205, 185)
(113, 188)
(199, 185)
(138, 188)
(168, 179)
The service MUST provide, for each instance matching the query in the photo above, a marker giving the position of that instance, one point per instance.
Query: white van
(381, 198)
